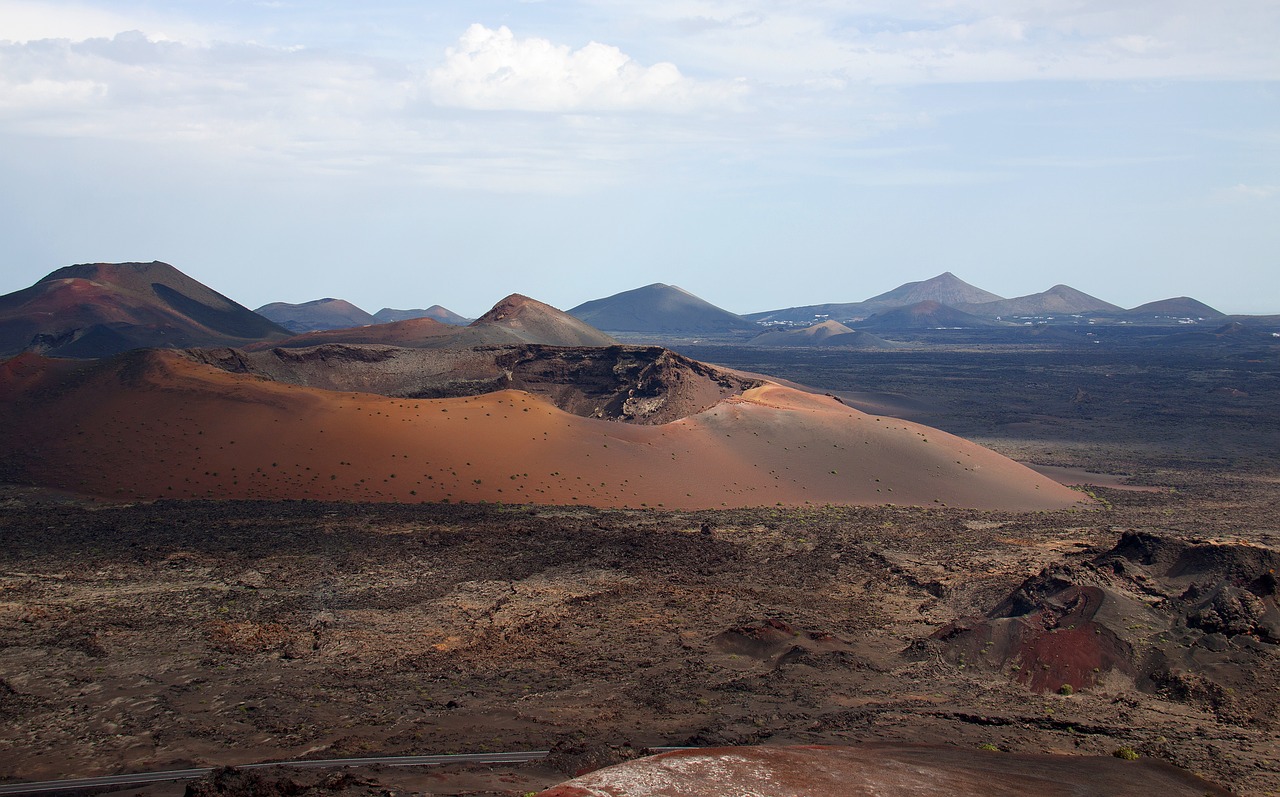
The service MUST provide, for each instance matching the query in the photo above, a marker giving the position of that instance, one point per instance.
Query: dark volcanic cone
(99, 309)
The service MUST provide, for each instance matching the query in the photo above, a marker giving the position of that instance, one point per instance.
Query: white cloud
(1243, 192)
(495, 70)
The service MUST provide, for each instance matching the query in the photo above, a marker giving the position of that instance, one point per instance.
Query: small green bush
(1126, 754)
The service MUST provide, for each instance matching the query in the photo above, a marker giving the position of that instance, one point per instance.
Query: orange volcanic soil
(151, 424)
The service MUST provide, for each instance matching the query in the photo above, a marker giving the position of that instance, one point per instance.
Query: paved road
(192, 774)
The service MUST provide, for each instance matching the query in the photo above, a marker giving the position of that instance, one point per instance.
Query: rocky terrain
(152, 636)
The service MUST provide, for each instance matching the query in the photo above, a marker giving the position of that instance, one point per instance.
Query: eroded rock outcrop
(635, 384)
(1153, 609)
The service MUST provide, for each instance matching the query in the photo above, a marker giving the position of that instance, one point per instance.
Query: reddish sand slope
(881, 770)
(154, 424)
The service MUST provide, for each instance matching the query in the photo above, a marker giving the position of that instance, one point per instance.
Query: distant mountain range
(415, 333)
(946, 288)
(101, 309)
(322, 314)
(514, 320)
(316, 315)
(665, 310)
(94, 310)
(901, 309)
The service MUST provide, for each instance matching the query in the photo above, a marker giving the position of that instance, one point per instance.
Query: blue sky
(759, 153)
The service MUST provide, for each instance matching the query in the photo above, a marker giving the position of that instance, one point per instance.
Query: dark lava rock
(232, 782)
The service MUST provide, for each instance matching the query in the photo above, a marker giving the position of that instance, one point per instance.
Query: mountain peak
(926, 314)
(95, 271)
(98, 309)
(513, 305)
(659, 308)
(946, 288)
(1178, 306)
(1058, 300)
(520, 319)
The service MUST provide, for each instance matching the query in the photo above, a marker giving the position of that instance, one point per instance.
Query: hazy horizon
(759, 156)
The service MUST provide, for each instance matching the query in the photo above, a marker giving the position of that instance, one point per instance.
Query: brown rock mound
(519, 319)
(777, 640)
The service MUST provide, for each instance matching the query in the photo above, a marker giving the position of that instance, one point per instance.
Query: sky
(759, 153)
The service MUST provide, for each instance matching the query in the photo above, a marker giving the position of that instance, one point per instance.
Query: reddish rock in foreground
(883, 770)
